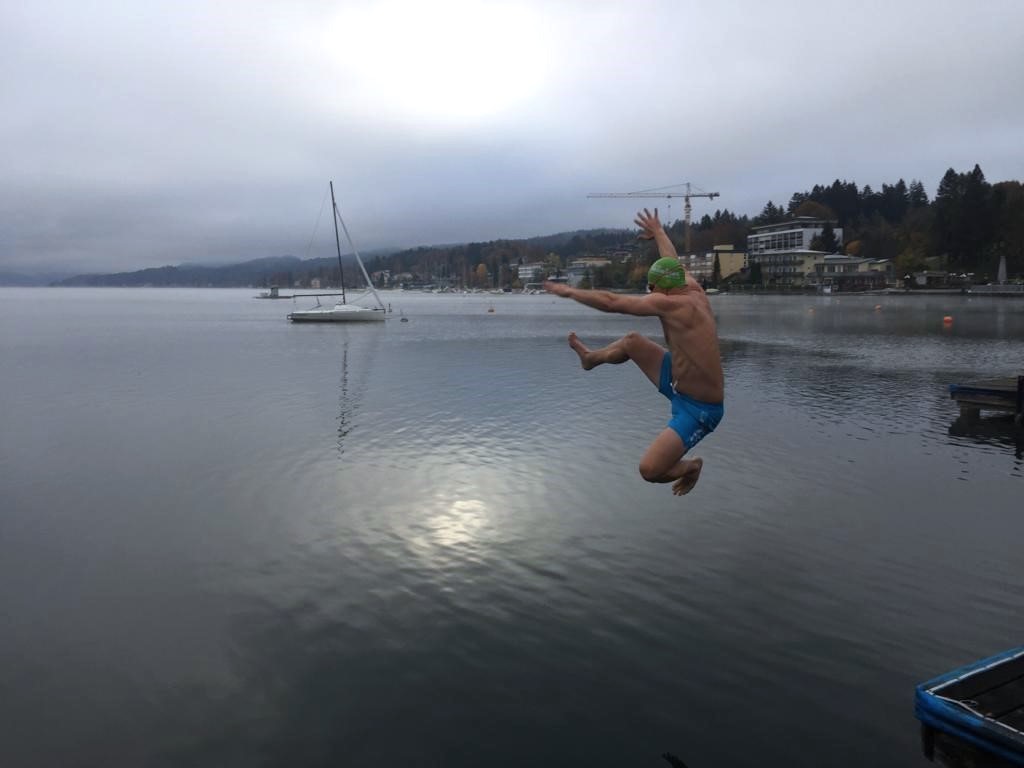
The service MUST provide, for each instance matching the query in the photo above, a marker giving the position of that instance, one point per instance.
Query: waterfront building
(789, 268)
(794, 234)
(784, 249)
(702, 265)
(937, 278)
(851, 273)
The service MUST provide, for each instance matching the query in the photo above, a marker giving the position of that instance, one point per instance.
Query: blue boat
(974, 715)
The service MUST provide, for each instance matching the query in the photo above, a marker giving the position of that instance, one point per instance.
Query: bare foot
(580, 349)
(685, 484)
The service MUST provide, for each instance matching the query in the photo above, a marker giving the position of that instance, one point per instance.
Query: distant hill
(255, 272)
(22, 279)
(282, 269)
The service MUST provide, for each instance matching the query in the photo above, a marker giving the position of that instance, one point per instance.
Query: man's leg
(633, 346)
(663, 462)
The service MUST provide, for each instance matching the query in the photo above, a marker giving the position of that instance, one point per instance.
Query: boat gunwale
(974, 668)
(959, 719)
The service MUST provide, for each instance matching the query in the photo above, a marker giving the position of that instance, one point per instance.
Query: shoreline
(795, 292)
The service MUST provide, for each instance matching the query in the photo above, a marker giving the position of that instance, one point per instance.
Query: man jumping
(689, 373)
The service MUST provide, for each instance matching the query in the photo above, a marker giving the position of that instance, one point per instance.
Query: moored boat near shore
(343, 311)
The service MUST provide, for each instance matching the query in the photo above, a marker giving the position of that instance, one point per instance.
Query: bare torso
(692, 338)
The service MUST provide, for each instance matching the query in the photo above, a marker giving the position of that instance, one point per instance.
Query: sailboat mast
(337, 242)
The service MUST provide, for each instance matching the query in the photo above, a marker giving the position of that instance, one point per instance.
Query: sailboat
(343, 311)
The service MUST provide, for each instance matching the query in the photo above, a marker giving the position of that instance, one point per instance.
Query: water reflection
(991, 431)
(458, 525)
(465, 568)
(450, 535)
(350, 393)
(345, 405)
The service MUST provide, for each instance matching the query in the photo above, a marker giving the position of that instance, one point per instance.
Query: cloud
(169, 132)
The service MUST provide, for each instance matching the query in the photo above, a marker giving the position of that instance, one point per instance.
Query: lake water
(227, 540)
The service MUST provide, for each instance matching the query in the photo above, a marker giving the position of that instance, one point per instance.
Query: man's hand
(559, 289)
(649, 224)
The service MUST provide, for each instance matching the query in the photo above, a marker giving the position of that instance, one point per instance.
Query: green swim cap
(667, 274)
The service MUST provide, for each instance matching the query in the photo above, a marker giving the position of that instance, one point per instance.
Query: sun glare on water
(439, 63)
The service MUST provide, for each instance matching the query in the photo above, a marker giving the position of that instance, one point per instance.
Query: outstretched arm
(651, 229)
(606, 301)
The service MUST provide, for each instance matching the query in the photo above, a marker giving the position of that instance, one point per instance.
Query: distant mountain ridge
(24, 280)
(253, 272)
(278, 269)
(245, 273)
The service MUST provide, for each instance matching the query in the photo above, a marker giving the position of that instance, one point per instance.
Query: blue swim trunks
(691, 419)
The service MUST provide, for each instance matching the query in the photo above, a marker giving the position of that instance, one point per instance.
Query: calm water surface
(230, 541)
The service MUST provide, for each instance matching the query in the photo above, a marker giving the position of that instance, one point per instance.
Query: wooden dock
(1002, 395)
(276, 295)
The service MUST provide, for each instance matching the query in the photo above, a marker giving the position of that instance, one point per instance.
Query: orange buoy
(947, 320)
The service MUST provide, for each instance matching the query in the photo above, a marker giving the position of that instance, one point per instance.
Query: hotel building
(784, 250)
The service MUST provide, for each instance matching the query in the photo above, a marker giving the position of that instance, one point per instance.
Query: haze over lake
(229, 540)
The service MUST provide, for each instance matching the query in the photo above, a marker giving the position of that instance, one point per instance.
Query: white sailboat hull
(341, 313)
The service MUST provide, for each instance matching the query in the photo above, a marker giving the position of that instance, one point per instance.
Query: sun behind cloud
(442, 64)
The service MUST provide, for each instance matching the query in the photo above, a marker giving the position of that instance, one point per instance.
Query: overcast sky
(150, 133)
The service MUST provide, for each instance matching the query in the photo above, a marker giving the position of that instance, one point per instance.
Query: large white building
(794, 234)
(783, 250)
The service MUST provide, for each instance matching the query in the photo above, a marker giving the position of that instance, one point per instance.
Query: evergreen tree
(963, 218)
(947, 218)
(1008, 207)
(770, 214)
(894, 201)
(826, 241)
(917, 197)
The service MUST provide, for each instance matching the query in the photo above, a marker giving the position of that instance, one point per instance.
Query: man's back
(692, 337)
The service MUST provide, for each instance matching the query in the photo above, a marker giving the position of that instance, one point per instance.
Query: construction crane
(666, 192)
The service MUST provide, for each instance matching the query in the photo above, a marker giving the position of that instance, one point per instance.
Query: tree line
(966, 228)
